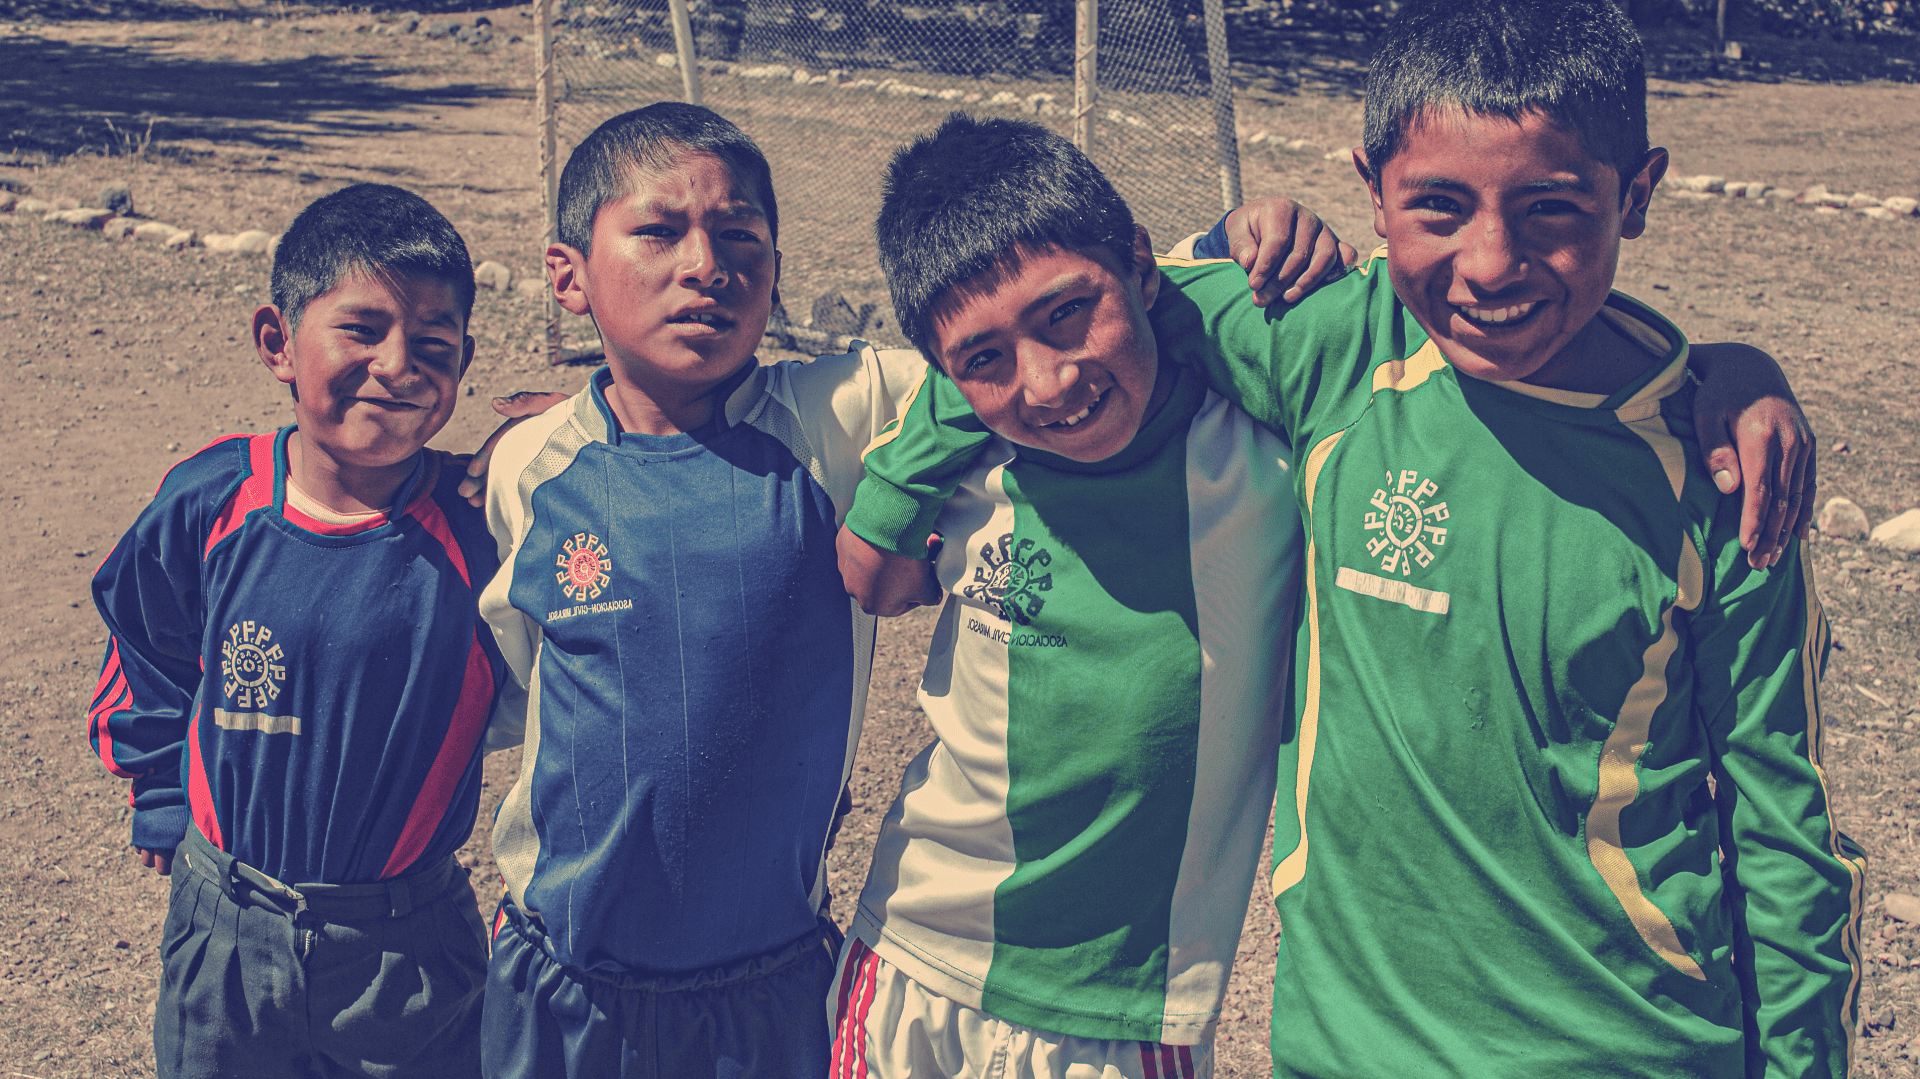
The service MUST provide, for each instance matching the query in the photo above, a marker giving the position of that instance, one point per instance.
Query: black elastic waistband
(749, 969)
(394, 898)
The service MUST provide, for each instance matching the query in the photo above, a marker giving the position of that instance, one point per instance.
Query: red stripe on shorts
(857, 985)
(1150, 1059)
(1186, 1063)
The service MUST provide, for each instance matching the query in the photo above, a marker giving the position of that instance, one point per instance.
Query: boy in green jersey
(1491, 781)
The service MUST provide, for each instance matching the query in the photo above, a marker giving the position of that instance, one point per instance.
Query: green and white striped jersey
(1076, 851)
(1550, 798)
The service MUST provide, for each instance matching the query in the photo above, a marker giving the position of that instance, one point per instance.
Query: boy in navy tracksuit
(298, 682)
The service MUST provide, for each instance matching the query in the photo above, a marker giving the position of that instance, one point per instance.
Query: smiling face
(1054, 351)
(375, 363)
(1504, 239)
(681, 276)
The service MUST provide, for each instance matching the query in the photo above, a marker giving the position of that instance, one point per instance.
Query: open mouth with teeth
(701, 318)
(1498, 316)
(1081, 416)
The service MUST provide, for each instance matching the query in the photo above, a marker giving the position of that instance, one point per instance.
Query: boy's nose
(1490, 257)
(700, 266)
(1048, 378)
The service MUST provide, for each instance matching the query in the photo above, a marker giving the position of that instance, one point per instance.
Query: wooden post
(683, 43)
(1086, 83)
(549, 167)
(1220, 74)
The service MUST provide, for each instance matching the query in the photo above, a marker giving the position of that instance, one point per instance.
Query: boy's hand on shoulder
(1753, 436)
(885, 583)
(160, 861)
(1285, 248)
(516, 407)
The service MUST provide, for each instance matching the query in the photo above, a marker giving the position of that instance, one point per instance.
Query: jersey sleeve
(1296, 369)
(149, 594)
(516, 635)
(844, 401)
(914, 465)
(1795, 880)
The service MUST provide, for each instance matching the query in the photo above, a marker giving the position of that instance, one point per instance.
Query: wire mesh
(829, 88)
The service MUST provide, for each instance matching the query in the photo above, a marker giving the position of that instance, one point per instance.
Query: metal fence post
(1220, 76)
(549, 167)
(683, 44)
(1086, 83)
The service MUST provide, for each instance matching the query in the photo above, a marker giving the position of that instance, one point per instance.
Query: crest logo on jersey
(252, 667)
(1405, 522)
(585, 568)
(1011, 581)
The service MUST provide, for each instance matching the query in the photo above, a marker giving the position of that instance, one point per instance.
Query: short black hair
(601, 168)
(1578, 62)
(374, 228)
(959, 202)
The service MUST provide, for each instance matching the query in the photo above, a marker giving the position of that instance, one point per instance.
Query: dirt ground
(121, 358)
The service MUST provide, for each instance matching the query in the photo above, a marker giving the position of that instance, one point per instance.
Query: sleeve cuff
(161, 828)
(896, 521)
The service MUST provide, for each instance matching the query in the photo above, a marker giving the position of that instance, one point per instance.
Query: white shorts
(888, 1026)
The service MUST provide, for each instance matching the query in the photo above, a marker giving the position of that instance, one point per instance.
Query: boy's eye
(1068, 309)
(1552, 207)
(359, 329)
(1440, 204)
(657, 232)
(979, 360)
(747, 236)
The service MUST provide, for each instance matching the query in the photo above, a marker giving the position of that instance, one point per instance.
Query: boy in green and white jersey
(1052, 888)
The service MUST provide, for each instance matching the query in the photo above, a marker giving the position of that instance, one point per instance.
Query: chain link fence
(829, 88)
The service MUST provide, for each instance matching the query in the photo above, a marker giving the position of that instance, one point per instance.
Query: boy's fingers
(1348, 254)
(1760, 510)
(1326, 255)
(1809, 497)
(524, 403)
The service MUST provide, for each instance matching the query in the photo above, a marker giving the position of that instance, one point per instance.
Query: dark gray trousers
(317, 981)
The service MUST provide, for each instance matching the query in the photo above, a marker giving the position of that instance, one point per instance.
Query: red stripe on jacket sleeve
(111, 696)
(469, 722)
(256, 492)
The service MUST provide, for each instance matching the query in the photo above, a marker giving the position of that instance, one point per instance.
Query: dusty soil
(122, 358)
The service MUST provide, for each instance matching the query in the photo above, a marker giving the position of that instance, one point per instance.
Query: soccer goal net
(829, 88)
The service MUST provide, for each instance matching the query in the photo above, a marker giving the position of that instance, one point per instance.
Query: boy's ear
(1145, 266)
(273, 342)
(1365, 168)
(466, 355)
(1638, 196)
(566, 269)
(776, 279)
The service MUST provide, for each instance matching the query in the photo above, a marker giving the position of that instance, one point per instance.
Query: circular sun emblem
(1405, 520)
(252, 666)
(1012, 578)
(584, 567)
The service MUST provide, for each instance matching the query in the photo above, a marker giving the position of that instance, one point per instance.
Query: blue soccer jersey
(697, 672)
(311, 696)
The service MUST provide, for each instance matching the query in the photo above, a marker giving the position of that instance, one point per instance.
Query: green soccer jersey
(1076, 851)
(1550, 799)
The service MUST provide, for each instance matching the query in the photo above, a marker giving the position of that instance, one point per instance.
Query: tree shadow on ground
(59, 98)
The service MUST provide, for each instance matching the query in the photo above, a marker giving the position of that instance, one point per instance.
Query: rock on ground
(183, 238)
(1901, 533)
(251, 242)
(1903, 907)
(492, 275)
(1841, 517)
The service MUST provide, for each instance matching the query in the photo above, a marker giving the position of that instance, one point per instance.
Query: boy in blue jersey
(671, 598)
(297, 681)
